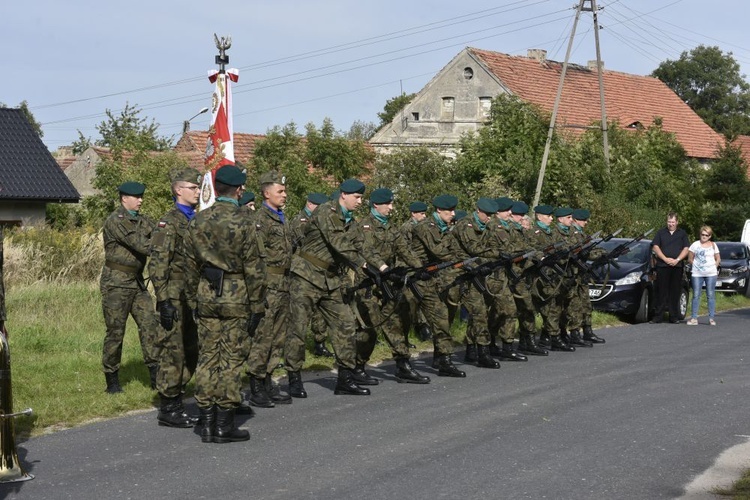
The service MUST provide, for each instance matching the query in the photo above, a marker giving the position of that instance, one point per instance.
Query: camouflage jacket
(275, 247)
(220, 237)
(469, 240)
(165, 268)
(297, 229)
(407, 229)
(127, 244)
(429, 244)
(384, 244)
(329, 245)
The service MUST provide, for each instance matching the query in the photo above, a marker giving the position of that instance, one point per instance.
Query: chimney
(592, 65)
(537, 54)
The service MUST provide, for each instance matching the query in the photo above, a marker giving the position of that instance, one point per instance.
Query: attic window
(446, 112)
(485, 105)
(636, 125)
(468, 73)
(415, 116)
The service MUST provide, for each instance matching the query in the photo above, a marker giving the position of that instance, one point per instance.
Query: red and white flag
(220, 145)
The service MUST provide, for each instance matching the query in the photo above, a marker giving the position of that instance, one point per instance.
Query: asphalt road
(636, 418)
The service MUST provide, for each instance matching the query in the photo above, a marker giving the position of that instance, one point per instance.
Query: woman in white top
(705, 258)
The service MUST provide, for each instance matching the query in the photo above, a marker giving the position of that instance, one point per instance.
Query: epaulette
(162, 223)
(120, 216)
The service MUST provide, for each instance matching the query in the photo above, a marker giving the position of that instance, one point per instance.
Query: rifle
(580, 257)
(477, 274)
(619, 250)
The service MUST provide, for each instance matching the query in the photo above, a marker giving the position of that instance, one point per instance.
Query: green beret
(487, 205)
(544, 209)
(335, 195)
(350, 186)
(231, 176)
(445, 202)
(417, 206)
(459, 214)
(272, 177)
(132, 188)
(317, 198)
(503, 204)
(563, 212)
(380, 196)
(581, 214)
(247, 197)
(190, 175)
(519, 208)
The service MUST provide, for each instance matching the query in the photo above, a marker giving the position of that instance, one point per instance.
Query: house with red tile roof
(457, 101)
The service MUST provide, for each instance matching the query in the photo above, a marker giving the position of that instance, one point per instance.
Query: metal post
(605, 125)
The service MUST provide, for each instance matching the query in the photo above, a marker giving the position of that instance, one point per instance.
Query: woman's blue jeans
(710, 282)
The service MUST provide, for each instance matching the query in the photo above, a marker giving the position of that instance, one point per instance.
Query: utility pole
(581, 7)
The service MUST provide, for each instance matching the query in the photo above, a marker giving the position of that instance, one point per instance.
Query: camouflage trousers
(178, 352)
(477, 330)
(221, 358)
(117, 303)
(502, 312)
(411, 315)
(339, 319)
(379, 317)
(549, 304)
(436, 314)
(526, 311)
(578, 310)
(270, 337)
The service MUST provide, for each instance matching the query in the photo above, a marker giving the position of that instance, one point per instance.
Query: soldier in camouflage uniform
(430, 244)
(127, 244)
(225, 286)
(579, 313)
(521, 282)
(411, 317)
(386, 247)
(276, 251)
(545, 291)
(297, 230)
(178, 343)
(328, 245)
(247, 200)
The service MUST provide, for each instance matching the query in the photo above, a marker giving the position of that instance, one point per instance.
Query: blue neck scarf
(379, 217)
(186, 210)
(308, 211)
(563, 228)
(544, 226)
(133, 213)
(229, 200)
(440, 222)
(278, 212)
(348, 216)
(481, 225)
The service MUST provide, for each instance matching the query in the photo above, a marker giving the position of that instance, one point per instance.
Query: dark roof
(27, 169)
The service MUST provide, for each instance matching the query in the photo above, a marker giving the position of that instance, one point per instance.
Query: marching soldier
(178, 353)
(297, 230)
(580, 309)
(127, 244)
(225, 287)
(247, 200)
(430, 244)
(276, 251)
(328, 245)
(411, 317)
(386, 244)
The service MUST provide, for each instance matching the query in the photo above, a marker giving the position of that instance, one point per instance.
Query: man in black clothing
(670, 247)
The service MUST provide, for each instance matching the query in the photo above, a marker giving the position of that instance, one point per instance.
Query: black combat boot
(258, 395)
(113, 382)
(446, 368)
(471, 353)
(361, 377)
(296, 389)
(208, 417)
(172, 413)
(152, 371)
(511, 354)
(577, 340)
(528, 345)
(494, 349)
(424, 333)
(558, 344)
(544, 340)
(484, 360)
(321, 350)
(226, 431)
(275, 393)
(564, 336)
(406, 373)
(588, 334)
(346, 384)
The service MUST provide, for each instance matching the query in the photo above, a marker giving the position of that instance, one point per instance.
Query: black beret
(519, 208)
(503, 204)
(563, 212)
(231, 176)
(381, 195)
(581, 214)
(247, 197)
(445, 202)
(132, 188)
(317, 198)
(417, 206)
(544, 209)
(487, 205)
(350, 186)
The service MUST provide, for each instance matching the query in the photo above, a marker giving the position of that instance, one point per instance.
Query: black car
(734, 275)
(629, 289)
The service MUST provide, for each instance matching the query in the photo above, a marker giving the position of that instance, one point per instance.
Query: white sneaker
(712, 322)
(693, 321)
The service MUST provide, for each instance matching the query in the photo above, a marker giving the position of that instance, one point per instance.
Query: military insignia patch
(162, 223)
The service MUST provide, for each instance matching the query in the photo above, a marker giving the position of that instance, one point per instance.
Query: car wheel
(641, 316)
(684, 297)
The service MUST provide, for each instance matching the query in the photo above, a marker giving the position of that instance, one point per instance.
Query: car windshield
(638, 252)
(731, 251)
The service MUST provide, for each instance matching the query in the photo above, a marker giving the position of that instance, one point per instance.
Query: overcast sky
(304, 60)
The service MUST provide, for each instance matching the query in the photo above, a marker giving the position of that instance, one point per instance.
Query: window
(415, 116)
(485, 105)
(446, 111)
(468, 73)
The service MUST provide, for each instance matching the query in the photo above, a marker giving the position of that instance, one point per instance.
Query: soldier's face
(418, 216)
(504, 215)
(384, 209)
(188, 193)
(483, 217)
(565, 221)
(545, 219)
(446, 215)
(581, 223)
(350, 201)
(311, 206)
(132, 202)
(276, 196)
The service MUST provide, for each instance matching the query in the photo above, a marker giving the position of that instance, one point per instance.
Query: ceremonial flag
(220, 145)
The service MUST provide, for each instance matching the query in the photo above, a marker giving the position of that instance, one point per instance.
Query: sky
(303, 61)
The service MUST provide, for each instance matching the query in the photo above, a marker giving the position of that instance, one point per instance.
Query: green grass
(740, 490)
(56, 334)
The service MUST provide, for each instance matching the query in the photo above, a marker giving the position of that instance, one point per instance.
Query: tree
(393, 106)
(710, 82)
(24, 106)
(725, 187)
(334, 154)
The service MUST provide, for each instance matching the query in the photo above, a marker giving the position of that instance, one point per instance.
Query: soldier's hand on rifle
(373, 274)
(422, 275)
(253, 322)
(167, 314)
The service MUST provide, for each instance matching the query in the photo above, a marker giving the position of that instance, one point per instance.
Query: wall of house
(457, 101)
(23, 213)
(82, 171)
